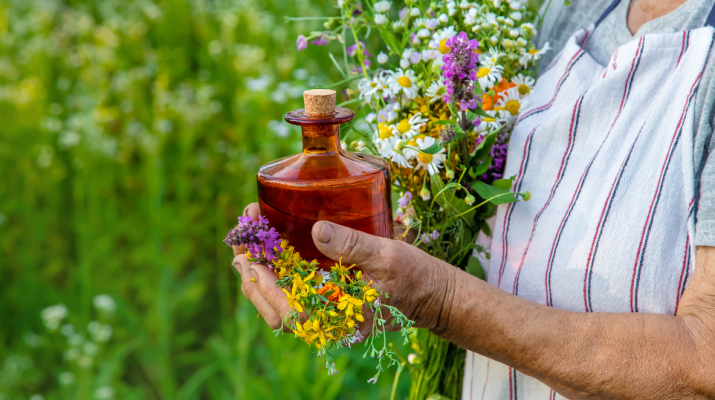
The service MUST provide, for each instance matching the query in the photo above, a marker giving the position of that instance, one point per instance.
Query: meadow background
(130, 135)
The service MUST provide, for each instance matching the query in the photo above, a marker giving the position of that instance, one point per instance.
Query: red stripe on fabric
(558, 87)
(510, 207)
(682, 273)
(511, 384)
(646, 227)
(626, 91)
(682, 49)
(559, 176)
(601, 225)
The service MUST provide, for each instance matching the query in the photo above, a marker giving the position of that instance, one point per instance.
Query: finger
(250, 289)
(239, 250)
(252, 210)
(353, 246)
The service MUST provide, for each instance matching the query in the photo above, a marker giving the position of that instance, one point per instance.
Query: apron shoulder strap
(711, 18)
(608, 11)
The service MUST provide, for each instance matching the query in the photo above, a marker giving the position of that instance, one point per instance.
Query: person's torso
(607, 153)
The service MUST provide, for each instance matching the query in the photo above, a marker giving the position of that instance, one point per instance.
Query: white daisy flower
(391, 149)
(419, 23)
(444, 34)
(511, 102)
(411, 127)
(488, 76)
(403, 81)
(524, 84)
(423, 33)
(533, 54)
(430, 162)
(493, 121)
(436, 90)
(471, 17)
(490, 58)
(384, 131)
(376, 88)
(491, 19)
(382, 6)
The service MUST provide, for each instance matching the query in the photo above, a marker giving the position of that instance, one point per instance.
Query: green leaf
(445, 122)
(434, 149)
(485, 147)
(478, 113)
(505, 184)
(460, 133)
(482, 168)
(391, 40)
(474, 267)
(494, 194)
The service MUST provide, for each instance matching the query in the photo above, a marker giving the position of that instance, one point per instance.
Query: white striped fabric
(607, 154)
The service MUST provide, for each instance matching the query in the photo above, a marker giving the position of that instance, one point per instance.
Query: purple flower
(352, 50)
(301, 43)
(424, 238)
(434, 235)
(405, 200)
(498, 153)
(460, 71)
(402, 12)
(359, 69)
(322, 40)
(263, 243)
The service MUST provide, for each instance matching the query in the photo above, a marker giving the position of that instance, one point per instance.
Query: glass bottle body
(325, 183)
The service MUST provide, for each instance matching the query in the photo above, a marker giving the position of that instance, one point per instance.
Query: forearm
(581, 355)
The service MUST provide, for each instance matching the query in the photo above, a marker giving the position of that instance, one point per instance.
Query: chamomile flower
(403, 81)
(488, 76)
(524, 84)
(376, 88)
(392, 149)
(430, 162)
(380, 19)
(511, 102)
(493, 121)
(490, 58)
(382, 6)
(419, 23)
(440, 37)
(533, 54)
(385, 131)
(436, 90)
(411, 127)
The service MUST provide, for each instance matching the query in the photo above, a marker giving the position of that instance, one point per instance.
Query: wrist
(437, 301)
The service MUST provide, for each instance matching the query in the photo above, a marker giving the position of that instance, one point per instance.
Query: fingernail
(326, 233)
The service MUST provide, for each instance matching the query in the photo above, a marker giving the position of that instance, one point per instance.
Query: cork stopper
(319, 102)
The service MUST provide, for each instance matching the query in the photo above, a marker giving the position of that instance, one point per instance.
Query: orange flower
(503, 86)
(487, 103)
(337, 292)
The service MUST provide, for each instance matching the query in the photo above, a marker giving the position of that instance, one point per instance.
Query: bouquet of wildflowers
(330, 303)
(449, 82)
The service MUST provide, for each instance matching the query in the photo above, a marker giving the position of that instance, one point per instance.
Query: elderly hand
(417, 283)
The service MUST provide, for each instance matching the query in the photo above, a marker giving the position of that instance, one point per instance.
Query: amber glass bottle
(324, 182)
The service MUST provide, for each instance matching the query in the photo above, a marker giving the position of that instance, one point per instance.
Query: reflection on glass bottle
(324, 182)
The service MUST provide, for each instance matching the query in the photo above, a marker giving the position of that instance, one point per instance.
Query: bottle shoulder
(323, 167)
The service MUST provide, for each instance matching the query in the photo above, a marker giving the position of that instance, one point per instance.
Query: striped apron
(607, 154)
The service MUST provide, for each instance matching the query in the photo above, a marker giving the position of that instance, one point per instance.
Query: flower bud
(380, 19)
(415, 12)
(469, 199)
(382, 58)
(404, 63)
(449, 174)
(443, 18)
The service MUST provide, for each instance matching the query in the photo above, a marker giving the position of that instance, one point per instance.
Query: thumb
(353, 246)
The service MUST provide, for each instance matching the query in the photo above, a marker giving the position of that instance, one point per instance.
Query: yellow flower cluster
(331, 304)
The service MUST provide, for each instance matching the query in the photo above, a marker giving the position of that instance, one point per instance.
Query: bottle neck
(321, 139)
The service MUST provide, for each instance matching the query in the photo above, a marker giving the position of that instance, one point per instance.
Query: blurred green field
(130, 135)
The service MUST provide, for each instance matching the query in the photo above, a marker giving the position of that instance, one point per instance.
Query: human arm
(580, 355)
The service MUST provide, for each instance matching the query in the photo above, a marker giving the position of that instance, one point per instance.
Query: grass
(130, 135)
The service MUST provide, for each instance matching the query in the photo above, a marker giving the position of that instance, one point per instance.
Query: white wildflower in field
(52, 316)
